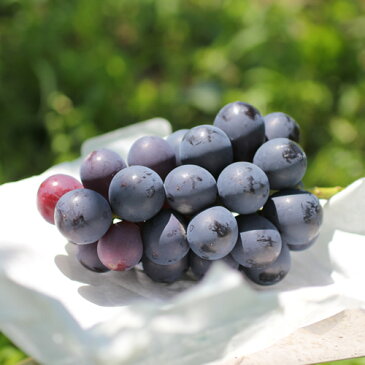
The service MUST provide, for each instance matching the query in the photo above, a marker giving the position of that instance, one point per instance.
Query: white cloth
(60, 313)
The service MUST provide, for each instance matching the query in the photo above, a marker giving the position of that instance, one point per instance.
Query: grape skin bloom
(174, 140)
(164, 238)
(259, 242)
(281, 125)
(136, 193)
(212, 233)
(243, 187)
(98, 169)
(244, 126)
(206, 146)
(153, 152)
(283, 161)
(190, 188)
(298, 216)
(83, 216)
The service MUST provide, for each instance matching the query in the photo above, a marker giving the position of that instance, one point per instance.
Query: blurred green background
(70, 70)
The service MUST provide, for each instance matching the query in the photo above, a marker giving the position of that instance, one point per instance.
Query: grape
(136, 193)
(200, 266)
(121, 247)
(283, 161)
(153, 152)
(273, 273)
(212, 233)
(165, 273)
(98, 169)
(51, 190)
(174, 140)
(259, 242)
(82, 216)
(281, 125)
(206, 146)
(243, 187)
(244, 126)
(164, 238)
(190, 188)
(298, 216)
(88, 257)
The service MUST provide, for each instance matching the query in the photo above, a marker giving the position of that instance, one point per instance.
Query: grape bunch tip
(200, 195)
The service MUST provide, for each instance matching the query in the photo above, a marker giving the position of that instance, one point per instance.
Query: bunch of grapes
(230, 191)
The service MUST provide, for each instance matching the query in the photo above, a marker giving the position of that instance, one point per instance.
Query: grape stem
(325, 192)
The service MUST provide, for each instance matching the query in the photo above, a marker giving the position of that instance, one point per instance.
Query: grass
(9, 353)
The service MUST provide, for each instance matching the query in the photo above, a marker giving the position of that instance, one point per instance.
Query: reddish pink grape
(51, 190)
(121, 247)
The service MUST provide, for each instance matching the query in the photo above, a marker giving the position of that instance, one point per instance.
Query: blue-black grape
(190, 188)
(259, 242)
(298, 216)
(174, 140)
(153, 152)
(83, 216)
(244, 126)
(272, 273)
(281, 125)
(283, 161)
(98, 169)
(164, 238)
(88, 257)
(212, 233)
(121, 248)
(243, 187)
(206, 146)
(200, 266)
(136, 193)
(165, 273)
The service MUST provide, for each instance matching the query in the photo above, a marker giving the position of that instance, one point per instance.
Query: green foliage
(72, 69)
(9, 354)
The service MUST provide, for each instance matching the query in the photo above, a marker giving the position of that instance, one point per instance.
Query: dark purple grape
(283, 161)
(200, 266)
(98, 169)
(164, 238)
(153, 152)
(136, 193)
(281, 125)
(206, 146)
(83, 216)
(244, 126)
(212, 233)
(88, 257)
(165, 273)
(174, 140)
(273, 273)
(259, 242)
(190, 188)
(298, 216)
(121, 247)
(243, 187)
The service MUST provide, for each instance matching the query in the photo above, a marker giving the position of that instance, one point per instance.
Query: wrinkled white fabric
(60, 313)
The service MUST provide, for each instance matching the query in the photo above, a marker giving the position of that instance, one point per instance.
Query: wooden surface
(339, 337)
